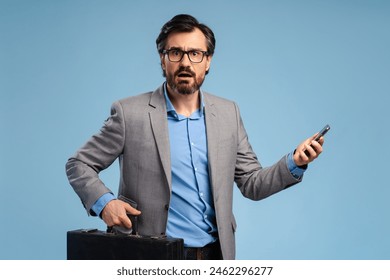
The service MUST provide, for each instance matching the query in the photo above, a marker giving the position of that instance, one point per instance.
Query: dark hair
(185, 23)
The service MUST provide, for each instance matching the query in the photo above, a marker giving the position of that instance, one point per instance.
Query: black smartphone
(319, 135)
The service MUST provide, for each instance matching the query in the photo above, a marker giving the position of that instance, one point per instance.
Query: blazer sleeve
(98, 153)
(254, 181)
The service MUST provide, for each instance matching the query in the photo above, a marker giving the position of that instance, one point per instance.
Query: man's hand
(115, 213)
(313, 148)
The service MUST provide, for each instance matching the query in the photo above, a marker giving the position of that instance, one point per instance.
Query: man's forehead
(191, 40)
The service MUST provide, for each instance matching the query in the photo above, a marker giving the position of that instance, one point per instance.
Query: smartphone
(322, 132)
(319, 135)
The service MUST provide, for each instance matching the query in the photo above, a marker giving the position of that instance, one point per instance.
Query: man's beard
(184, 87)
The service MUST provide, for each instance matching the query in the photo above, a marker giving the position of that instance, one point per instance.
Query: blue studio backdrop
(292, 67)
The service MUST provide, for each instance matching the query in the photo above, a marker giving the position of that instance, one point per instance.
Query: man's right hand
(115, 213)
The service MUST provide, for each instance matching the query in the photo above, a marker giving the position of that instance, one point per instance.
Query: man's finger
(131, 210)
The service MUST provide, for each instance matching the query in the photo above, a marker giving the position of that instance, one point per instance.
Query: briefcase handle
(133, 219)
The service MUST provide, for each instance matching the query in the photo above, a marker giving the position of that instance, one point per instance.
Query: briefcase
(100, 245)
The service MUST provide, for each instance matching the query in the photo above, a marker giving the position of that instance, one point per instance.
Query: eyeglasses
(176, 55)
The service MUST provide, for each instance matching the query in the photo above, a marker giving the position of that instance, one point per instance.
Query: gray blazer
(137, 134)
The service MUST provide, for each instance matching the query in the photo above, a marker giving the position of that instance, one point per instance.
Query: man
(180, 151)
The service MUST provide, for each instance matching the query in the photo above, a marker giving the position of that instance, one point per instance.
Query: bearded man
(180, 151)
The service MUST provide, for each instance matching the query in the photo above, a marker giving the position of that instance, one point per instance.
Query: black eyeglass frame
(204, 53)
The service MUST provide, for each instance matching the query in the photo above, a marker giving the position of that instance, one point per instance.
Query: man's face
(185, 77)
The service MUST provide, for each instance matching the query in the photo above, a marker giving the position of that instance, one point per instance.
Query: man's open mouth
(184, 75)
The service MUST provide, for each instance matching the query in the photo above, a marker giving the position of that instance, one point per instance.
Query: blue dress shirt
(191, 214)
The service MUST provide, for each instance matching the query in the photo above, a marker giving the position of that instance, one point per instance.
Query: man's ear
(208, 64)
(162, 56)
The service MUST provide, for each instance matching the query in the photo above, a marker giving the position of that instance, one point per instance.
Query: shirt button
(196, 169)
(201, 194)
(205, 216)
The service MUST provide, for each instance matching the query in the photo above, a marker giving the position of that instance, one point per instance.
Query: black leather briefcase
(99, 245)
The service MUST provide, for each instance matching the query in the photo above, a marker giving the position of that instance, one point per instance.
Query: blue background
(292, 66)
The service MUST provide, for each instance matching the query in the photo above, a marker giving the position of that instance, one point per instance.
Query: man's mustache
(185, 71)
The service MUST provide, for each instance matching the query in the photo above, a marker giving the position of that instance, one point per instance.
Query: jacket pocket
(128, 200)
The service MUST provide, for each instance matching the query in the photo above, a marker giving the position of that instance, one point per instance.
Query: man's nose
(185, 61)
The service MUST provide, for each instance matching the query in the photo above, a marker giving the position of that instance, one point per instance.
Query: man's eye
(176, 52)
(195, 53)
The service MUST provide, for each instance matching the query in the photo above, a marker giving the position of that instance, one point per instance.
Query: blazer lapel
(212, 130)
(159, 123)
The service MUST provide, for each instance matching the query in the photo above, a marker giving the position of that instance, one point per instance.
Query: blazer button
(166, 206)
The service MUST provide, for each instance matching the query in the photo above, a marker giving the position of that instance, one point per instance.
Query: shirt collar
(171, 109)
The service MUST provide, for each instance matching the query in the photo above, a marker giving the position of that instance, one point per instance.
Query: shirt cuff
(296, 171)
(99, 205)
